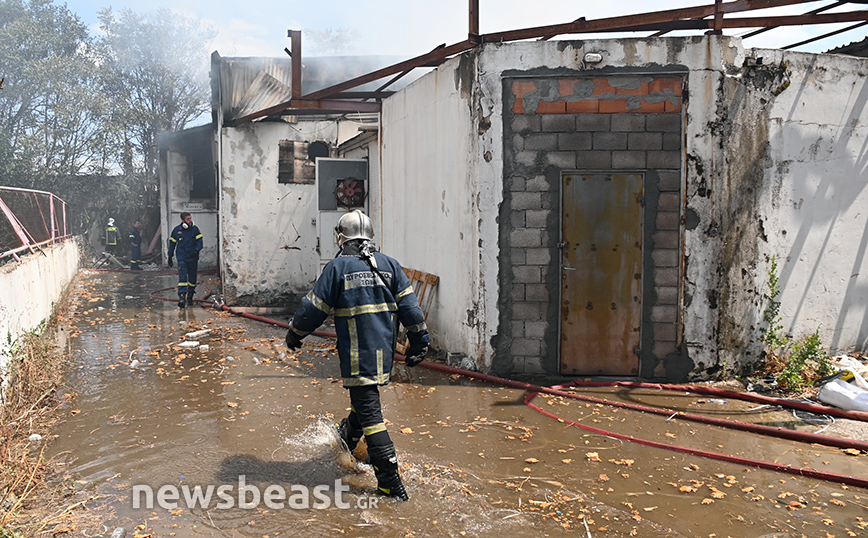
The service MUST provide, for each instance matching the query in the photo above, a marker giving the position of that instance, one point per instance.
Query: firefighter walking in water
(186, 241)
(369, 293)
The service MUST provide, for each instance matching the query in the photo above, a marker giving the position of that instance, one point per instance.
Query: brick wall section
(630, 123)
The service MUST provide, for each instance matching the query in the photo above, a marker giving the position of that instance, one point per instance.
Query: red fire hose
(557, 390)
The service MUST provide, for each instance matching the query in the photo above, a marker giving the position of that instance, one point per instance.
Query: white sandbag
(844, 395)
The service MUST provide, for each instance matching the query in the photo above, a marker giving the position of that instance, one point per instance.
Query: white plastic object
(844, 395)
(197, 334)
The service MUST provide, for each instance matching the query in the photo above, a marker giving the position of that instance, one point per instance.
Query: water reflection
(476, 461)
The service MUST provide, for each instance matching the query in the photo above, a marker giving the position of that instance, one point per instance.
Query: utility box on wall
(342, 186)
(342, 183)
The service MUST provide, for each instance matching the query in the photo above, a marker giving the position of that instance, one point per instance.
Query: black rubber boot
(349, 435)
(385, 463)
(190, 295)
(180, 300)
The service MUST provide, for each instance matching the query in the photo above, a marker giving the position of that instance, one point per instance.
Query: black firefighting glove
(170, 262)
(195, 254)
(293, 341)
(415, 354)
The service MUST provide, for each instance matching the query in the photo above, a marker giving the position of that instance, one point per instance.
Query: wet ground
(242, 419)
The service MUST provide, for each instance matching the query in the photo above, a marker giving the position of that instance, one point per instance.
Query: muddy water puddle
(148, 416)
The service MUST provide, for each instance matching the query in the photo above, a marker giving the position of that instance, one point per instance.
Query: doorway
(601, 273)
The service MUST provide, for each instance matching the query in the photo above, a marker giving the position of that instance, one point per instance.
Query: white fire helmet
(354, 225)
(111, 222)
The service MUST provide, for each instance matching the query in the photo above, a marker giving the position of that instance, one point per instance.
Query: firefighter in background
(135, 247)
(369, 293)
(186, 242)
(112, 235)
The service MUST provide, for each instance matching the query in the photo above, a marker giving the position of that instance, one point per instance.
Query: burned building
(592, 207)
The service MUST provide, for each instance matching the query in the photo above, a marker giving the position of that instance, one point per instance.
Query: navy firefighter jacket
(186, 241)
(366, 312)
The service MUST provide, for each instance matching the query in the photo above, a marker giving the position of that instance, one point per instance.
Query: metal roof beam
(824, 36)
(643, 20)
(750, 22)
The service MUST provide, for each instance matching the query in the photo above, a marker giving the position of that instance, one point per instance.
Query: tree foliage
(330, 41)
(79, 114)
(148, 67)
(45, 66)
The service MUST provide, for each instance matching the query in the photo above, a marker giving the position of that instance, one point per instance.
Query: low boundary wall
(29, 289)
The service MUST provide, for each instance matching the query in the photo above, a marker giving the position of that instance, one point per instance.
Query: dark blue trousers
(187, 276)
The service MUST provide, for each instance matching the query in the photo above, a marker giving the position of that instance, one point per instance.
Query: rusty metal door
(601, 273)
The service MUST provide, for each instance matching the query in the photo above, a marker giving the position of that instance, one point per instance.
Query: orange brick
(614, 106)
(567, 87)
(584, 106)
(670, 107)
(518, 107)
(641, 90)
(645, 106)
(603, 87)
(551, 107)
(660, 85)
(520, 88)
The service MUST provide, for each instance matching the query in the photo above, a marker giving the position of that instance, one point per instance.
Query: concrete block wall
(601, 123)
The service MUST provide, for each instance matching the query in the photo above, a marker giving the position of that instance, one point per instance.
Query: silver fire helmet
(354, 225)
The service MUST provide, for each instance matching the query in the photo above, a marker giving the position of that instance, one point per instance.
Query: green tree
(47, 113)
(155, 72)
(79, 115)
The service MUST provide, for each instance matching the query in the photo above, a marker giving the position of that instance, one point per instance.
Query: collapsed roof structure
(710, 19)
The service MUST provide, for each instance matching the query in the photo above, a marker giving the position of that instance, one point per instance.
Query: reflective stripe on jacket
(366, 312)
(185, 242)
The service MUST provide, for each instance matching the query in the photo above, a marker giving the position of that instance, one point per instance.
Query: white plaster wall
(815, 201)
(31, 287)
(432, 212)
(268, 232)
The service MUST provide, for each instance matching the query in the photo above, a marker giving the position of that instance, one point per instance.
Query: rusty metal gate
(601, 273)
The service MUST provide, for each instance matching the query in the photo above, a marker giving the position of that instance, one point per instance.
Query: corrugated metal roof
(237, 76)
(264, 92)
(251, 84)
(855, 48)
